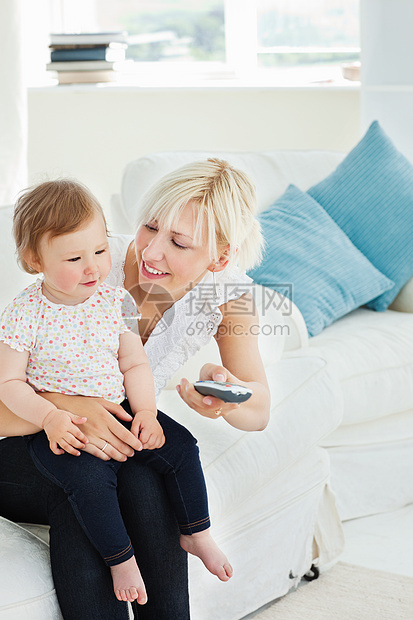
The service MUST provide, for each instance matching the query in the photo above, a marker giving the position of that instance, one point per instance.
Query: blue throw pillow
(370, 196)
(305, 248)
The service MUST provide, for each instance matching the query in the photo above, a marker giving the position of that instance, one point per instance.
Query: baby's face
(75, 264)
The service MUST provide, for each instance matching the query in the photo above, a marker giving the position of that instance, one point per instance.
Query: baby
(71, 333)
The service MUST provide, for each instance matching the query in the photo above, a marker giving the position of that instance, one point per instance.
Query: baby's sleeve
(129, 315)
(17, 326)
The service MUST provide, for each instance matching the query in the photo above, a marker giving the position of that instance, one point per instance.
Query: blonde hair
(55, 207)
(226, 202)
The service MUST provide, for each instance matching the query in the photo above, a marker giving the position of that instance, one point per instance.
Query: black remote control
(228, 392)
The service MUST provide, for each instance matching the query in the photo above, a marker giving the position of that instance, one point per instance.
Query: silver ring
(103, 449)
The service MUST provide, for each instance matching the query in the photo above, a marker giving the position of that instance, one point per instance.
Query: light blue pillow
(305, 248)
(370, 196)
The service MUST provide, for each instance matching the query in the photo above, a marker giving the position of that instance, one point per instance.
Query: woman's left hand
(208, 406)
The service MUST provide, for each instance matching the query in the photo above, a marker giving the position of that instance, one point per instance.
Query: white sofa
(338, 445)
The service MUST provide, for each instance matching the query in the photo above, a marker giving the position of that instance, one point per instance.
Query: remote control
(228, 392)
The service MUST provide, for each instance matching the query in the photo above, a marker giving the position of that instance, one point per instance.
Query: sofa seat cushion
(303, 410)
(371, 354)
(377, 457)
(391, 428)
(27, 589)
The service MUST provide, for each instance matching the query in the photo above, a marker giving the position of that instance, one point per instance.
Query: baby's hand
(147, 429)
(61, 429)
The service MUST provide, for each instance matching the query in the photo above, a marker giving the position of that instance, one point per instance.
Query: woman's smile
(151, 272)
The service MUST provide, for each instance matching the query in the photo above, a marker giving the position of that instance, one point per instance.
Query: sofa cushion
(377, 457)
(271, 171)
(371, 355)
(392, 428)
(304, 246)
(370, 196)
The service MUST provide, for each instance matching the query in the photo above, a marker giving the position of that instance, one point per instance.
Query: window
(276, 41)
(168, 31)
(317, 35)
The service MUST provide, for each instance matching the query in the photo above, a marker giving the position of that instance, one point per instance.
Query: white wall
(387, 69)
(91, 133)
(13, 116)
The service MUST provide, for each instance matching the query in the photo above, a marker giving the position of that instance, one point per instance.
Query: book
(86, 65)
(80, 38)
(75, 46)
(87, 77)
(99, 52)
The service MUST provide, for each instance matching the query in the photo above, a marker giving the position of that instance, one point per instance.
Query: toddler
(71, 333)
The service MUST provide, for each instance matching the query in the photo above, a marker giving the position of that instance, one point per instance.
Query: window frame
(241, 44)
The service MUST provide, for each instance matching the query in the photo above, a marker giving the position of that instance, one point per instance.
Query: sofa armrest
(404, 300)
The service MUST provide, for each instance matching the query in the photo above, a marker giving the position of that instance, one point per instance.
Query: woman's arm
(237, 339)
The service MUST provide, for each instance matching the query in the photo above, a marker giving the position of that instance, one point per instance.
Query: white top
(72, 349)
(190, 323)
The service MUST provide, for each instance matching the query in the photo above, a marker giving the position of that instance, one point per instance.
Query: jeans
(83, 582)
(91, 485)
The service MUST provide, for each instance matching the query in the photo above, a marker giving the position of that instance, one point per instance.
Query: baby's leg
(127, 582)
(204, 546)
(178, 460)
(91, 486)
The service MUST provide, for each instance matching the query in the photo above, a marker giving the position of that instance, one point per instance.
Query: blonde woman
(197, 234)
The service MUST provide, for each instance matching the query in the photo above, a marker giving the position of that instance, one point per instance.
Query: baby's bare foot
(204, 546)
(128, 583)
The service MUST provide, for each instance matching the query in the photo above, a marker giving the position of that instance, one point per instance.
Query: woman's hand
(208, 406)
(101, 427)
(251, 415)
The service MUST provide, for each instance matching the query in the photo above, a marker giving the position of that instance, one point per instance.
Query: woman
(196, 232)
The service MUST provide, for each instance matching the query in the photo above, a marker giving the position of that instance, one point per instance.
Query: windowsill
(194, 85)
(313, 78)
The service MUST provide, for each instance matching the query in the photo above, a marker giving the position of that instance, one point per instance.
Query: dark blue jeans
(27, 496)
(91, 486)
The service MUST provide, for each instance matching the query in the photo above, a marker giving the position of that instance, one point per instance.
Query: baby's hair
(54, 207)
(224, 195)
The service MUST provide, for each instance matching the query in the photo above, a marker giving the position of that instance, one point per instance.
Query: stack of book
(87, 57)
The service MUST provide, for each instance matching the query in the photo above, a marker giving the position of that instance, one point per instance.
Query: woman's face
(170, 258)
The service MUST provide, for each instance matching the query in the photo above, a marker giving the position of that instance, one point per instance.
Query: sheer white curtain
(387, 69)
(13, 102)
